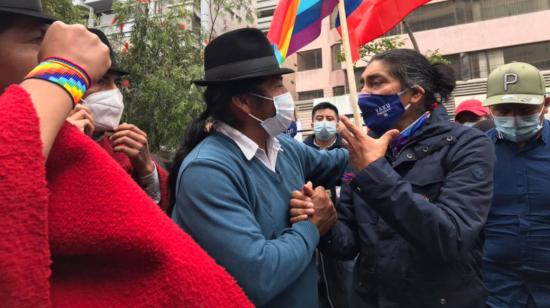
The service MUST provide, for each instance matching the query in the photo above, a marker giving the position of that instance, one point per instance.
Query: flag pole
(349, 65)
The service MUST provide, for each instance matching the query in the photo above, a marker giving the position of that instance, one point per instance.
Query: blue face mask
(518, 128)
(292, 130)
(324, 130)
(381, 112)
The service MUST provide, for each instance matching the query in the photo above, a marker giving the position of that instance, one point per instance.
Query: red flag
(370, 19)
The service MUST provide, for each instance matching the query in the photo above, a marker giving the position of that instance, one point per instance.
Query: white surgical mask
(284, 114)
(469, 124)
(106, 108)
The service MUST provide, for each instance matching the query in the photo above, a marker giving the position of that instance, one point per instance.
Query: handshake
(314, 205)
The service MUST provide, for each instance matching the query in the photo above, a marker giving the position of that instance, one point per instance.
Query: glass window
(465, 65)
(310, 60)
(481, 63)
(437, 15)
(335, 51)
(456, 12)
(504, 8)
(536, 54)
(339, 90)
(455, 64)
(266, 13)
(308, 95)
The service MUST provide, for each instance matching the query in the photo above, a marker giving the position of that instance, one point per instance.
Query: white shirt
(250, 149)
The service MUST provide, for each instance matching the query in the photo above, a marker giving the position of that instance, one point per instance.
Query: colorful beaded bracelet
(69, 76)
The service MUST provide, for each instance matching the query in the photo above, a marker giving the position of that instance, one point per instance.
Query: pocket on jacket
(426, 180)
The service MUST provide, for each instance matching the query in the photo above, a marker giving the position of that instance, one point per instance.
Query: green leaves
(64, 10)
(380, 45)
(163, 58)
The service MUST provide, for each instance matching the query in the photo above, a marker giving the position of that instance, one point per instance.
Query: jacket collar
(436, 133)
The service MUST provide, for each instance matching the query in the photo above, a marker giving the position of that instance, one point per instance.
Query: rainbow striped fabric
(72, 78)
(297, 23)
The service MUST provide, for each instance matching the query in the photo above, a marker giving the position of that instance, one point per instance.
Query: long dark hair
(217, 99)
(412, 68)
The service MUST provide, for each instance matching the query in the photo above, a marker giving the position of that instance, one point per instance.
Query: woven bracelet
(69, 76)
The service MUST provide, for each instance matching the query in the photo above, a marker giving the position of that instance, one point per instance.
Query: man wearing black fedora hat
(232, 184)
(99, 116)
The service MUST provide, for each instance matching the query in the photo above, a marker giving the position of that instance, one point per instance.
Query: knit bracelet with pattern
(69, 76)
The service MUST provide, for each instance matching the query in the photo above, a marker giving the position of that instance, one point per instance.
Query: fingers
(356, 131)
(308, 189)
(300, 209)
(299, 195)
(320, 189)
(81, 107)
(345, 144)
(77, 108)
(81, 114)
(298, 212)
(130, 152)
(301, 204)
(131, 127)
(76, 44)
(83, 125)
(347, 137)
(130, 133)
(389, 135)
(127, 141)
(296, 219)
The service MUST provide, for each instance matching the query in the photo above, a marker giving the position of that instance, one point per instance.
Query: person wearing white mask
(232, 184)
(516, 259)
(99, 117)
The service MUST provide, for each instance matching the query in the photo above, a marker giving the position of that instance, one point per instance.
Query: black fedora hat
(31, 8)
(239, 54)
(114, 67)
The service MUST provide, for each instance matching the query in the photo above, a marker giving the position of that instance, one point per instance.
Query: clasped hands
(314, 205)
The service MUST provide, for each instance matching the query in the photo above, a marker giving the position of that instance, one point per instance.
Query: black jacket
(417, 221)
(337, 144)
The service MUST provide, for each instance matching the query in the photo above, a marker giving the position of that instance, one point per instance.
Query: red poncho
(78, 232)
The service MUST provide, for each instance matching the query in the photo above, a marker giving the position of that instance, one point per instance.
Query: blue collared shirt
(516, 261)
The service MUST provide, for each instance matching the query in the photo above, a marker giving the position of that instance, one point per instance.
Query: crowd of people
(414, 211)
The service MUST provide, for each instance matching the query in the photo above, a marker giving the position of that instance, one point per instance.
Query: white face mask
(284, 114)
(106, 108)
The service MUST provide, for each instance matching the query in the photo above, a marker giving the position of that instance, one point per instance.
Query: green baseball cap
(515, 83)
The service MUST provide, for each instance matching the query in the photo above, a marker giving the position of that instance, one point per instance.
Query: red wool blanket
(78, 232)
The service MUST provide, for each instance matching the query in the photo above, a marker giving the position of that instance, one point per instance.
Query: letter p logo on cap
(510, 79)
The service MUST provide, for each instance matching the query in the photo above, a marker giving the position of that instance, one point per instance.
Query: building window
(456, 12)
(339, 90)
(432, 16)
(308, 95)
(266, 13)
(465, 65)
(479, 64)
(535, 54)
(310, 60)
(335, 51)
